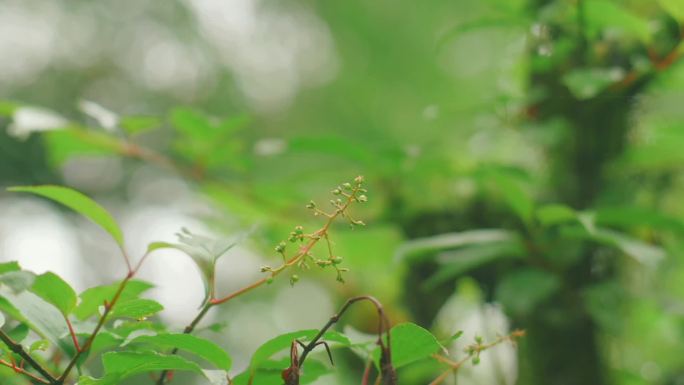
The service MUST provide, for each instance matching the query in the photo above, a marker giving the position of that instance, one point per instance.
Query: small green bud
(336, 260)
(362, 198)
(266, 268)
(347, 186)
(478, 339)
(299, 230)
(322, 263)
(358, 180)
(281, 247)
(311, 205)
(269, 280)
(294, 279)
(476, 360)
(339, 278)
(336, 191)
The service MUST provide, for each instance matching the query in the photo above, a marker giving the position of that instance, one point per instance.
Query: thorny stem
(19, 350)
(472, 351)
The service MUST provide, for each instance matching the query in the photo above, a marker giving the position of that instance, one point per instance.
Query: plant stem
(19, 350)
(24, 372)
(382, 327)
(108, 308)
(302, 253)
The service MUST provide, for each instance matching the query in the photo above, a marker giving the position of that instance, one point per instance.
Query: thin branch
(24, 372)
(382, 327)
(108, 308)
(19, 350)
(472, 351)
(302, 253)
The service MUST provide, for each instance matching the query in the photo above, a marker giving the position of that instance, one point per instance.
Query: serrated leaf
(202, 348)
(50, 287)
(136, 308)
(410, 343)
(93, 298)
(79, 203)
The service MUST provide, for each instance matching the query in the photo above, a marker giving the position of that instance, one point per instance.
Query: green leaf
(136, 308)
(457, 262)
(18, 281)
(524, 289)
(121, 365)
(410, 343)
(633, 216)
(585, 83)
(674, 8)
(270, 373)
(8, 108)
(425, 247)
(9, 266)
(203, 250)
(605, 14)
(39, 345)
(189, 343)
(555, 214)
(191, 123)
(93, 298)
(283, 342)
(515, 196)
(42, 317)
(77, 141)
(79, 203)
(54, 290)
(135, 125)
(648, 255)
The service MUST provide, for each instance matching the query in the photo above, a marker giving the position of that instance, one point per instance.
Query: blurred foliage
(531, 145)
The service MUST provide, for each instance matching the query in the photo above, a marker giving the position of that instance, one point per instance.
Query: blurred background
(524, 161)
